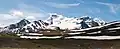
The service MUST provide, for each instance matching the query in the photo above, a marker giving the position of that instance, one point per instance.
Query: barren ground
(59, 44)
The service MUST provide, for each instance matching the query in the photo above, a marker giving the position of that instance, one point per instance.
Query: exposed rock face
(35, 26)
(13, 28)
(20, 24)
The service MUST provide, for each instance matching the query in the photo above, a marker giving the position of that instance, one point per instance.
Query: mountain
(55, 21)
(34, 26)
(83, 22)
(20, 24)
(12, 28)
(25, 26)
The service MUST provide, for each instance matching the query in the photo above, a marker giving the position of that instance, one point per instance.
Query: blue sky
(12, 11)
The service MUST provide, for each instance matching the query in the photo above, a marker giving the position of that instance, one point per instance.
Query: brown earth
(58, 44)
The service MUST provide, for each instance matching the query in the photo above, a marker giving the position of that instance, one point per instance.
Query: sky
(12, 11)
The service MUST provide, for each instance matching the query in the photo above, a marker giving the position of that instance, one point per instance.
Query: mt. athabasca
(62, 22)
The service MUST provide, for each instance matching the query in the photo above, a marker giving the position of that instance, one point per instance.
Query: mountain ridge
(53, 22)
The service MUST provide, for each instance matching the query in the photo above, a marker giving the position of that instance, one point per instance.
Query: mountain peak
(24, 21)
(20, 24)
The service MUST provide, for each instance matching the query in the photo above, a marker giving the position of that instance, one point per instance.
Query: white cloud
(8, 19)
(23, 11)
(60, 5)
(113, 7)
(30, 10)
(16, 13)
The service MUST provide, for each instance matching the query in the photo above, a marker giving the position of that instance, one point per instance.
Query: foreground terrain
(58, 44)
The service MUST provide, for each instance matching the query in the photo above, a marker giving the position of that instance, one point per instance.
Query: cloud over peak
(16, 13)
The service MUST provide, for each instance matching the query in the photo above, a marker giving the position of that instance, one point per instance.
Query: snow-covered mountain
(56, 20)
(25, 26)
(53, 22)
(15, 27)
(35, 26)
(20, 24)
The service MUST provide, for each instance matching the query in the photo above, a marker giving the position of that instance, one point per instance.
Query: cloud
(22, 11)
(8, 19)
(16, 13)
(113, 7)
(32, 10)
(60, 5)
